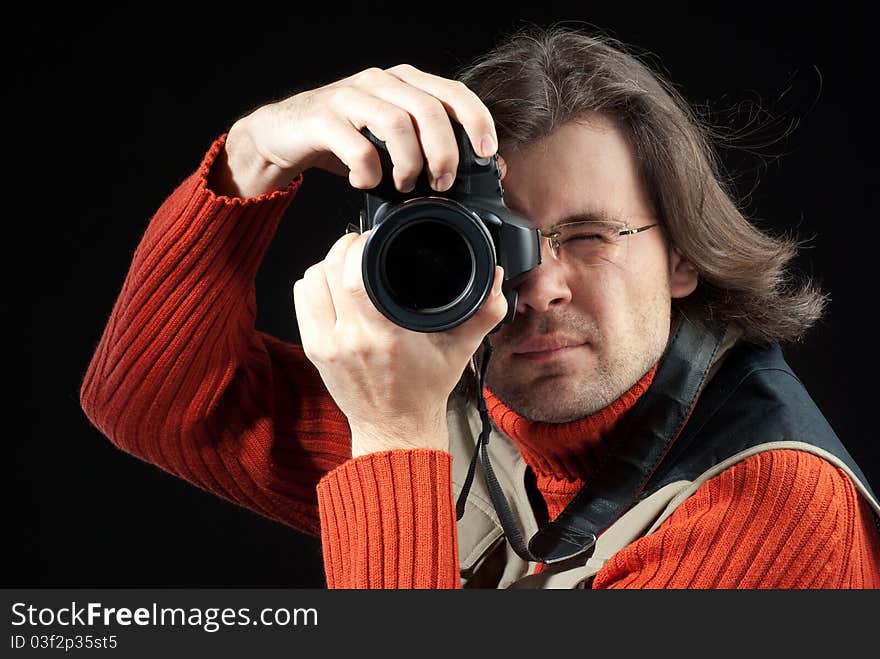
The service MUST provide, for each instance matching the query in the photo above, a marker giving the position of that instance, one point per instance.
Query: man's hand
(408, 109)
(390, 382)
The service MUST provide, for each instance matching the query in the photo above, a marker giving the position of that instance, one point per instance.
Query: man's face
(616, 315)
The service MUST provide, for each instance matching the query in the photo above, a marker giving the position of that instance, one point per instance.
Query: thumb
(494, 309)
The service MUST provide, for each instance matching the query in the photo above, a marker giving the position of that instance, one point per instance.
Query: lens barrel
(429, 265)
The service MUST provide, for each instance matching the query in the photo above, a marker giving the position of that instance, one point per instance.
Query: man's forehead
(550, 200)
(605, 185)
(557, 204)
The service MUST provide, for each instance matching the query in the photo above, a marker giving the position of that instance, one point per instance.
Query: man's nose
(546, 285)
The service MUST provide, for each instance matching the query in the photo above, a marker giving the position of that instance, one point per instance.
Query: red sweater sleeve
(388, 521)
(779, 519)
(182, 379)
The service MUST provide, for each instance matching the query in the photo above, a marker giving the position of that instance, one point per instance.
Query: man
(645, 433)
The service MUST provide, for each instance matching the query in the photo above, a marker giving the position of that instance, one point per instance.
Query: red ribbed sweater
(182, 379)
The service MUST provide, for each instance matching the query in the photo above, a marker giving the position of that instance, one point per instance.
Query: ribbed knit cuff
(388, 521)
(282, 197)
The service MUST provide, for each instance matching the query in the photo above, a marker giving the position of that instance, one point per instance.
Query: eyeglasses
(591, 242)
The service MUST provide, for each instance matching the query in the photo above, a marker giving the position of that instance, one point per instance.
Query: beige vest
(488, 561)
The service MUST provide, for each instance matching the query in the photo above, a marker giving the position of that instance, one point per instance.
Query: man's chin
(543, 398)
(556, 413)
(553, 397)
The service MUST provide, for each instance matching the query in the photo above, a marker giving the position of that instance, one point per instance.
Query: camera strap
(499, 501)
(642, 441)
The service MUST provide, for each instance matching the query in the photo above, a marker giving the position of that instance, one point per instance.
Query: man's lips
(546, 343)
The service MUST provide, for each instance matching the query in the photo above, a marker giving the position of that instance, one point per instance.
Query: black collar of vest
(642, 439)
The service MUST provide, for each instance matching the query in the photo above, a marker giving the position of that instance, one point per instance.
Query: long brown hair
(539, 78)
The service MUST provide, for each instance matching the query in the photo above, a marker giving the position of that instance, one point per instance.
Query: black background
(113, 110)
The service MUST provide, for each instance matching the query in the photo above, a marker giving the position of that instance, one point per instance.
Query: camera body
(429, 262)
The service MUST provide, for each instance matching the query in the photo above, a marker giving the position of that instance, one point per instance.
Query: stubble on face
(601, 372)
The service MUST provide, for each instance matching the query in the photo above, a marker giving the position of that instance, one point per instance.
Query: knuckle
(459, 86)
(345, 241)
(475, 106)
(398, 121)
(370, 75)
(311, 353)
(444, 160)
(353, 286)
(403, 67)
(340, 96)
(336, 255)
(317, 350)
(407, 170)
(327, 356)
(312, 272)
(360, 348)
(431, 108)
(332, 262)
(362, 154)
(470, 94)
(472, 104)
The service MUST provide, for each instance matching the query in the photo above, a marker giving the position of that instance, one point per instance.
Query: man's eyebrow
(593, 215)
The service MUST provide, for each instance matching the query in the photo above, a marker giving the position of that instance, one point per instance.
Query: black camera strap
(499, 501)
(644, 438)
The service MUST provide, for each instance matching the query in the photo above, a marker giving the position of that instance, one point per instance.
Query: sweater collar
(564, 451)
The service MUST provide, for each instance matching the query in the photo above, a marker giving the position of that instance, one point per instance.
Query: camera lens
(428, 266)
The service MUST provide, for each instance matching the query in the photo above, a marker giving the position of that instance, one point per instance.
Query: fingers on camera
(411, 111)
(459, 102)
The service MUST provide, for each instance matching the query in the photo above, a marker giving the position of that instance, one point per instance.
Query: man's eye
(586, 237)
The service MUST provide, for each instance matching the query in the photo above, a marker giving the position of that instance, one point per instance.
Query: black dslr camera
(430, 261)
